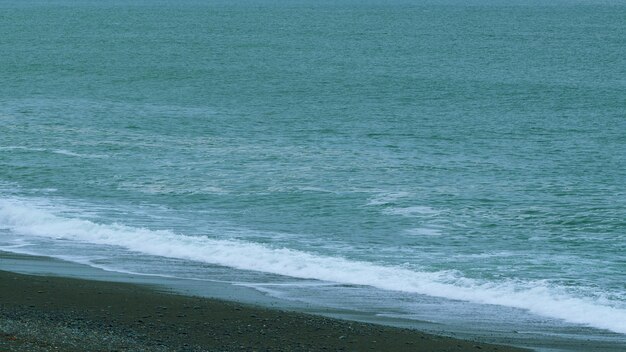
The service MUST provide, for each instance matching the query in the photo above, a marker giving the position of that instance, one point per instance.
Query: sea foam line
(537, 297)
(55, 151)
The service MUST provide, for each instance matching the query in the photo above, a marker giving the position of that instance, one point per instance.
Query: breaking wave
(539, 297)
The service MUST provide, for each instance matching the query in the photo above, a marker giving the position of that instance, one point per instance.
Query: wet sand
(40, 313)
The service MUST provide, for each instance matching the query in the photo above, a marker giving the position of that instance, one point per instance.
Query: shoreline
(44, 313)
(41, 313)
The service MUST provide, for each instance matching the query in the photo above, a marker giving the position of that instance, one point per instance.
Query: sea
(454, 163)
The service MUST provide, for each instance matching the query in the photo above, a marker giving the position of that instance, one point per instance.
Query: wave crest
(538, 297)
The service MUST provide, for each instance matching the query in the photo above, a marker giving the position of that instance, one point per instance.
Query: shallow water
(440, 162)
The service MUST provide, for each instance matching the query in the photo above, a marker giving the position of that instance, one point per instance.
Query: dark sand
(39, 313)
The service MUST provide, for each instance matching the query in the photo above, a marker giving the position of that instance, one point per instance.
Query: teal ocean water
(460, 164)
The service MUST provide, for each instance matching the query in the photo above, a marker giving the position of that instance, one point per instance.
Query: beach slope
(40, 313)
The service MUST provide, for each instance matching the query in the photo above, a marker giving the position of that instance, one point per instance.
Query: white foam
(55, 151)
(535, 296)
(423, 231)
(163, 187)
(386, 198)
(23, 148)
(411, 211)
(79, 155)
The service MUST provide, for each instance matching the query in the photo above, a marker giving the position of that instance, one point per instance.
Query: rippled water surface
(426, 162)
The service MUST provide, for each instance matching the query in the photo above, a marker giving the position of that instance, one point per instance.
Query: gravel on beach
(39, 313)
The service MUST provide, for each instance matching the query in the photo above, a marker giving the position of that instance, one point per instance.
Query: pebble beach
(39, 313)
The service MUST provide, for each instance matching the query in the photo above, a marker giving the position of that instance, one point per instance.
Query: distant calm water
(464, 165)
